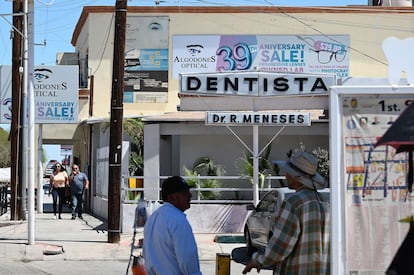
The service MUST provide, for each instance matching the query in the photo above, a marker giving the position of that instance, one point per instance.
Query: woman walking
(59, 181)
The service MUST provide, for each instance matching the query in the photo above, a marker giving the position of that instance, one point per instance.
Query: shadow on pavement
(48, 208)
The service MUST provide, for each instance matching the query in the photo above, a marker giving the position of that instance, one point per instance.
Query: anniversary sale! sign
(276, 53)
(55, 90)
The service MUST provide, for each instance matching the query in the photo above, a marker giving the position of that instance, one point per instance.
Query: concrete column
(151, 160)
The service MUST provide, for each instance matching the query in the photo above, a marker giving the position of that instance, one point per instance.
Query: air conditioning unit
(397, 3)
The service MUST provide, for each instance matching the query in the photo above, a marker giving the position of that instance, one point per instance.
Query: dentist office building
(217, 82)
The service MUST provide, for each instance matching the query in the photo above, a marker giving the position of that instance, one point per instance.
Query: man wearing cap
(169, 243)
(301, 234)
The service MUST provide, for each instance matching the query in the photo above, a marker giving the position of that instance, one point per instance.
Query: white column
(255, 164)
(40, 170)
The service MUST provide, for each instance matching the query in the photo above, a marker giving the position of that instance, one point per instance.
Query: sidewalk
(64, 239)
(87, 240)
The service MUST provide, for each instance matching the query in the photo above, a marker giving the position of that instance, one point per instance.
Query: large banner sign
(376, 196)
(146, 59)
(277, 53)
(55, 90)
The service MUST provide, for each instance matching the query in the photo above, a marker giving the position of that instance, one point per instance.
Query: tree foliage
(322, 155)
(134, 128)
(5, 150)
(245, 165)
(205, 166)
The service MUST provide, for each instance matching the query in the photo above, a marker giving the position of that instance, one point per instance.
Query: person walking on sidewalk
(78, 183)
(58, 183)
(300, 243)
(169, 243)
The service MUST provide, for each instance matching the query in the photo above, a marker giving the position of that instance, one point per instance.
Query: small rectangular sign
(258, 118)
(66, 150)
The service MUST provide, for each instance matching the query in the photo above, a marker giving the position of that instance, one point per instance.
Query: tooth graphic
(399, 54)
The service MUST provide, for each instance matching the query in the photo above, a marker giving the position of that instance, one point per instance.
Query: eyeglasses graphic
(324, 57)
(326, 51)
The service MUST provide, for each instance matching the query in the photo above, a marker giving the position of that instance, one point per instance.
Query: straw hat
(304, 166)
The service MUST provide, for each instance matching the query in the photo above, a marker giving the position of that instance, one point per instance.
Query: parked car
(259, 224)
(48, 170)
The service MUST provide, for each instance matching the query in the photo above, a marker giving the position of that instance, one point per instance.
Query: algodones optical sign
(314, 54)
(56, 94)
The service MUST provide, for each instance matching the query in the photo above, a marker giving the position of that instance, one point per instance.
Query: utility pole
(15, 130)
(115, 140)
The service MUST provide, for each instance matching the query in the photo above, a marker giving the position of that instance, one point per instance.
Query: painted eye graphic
(154, 26)
(42, 74)
(194, 49)
(40, 77)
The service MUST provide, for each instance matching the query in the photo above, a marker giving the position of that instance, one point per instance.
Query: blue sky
(55, 21)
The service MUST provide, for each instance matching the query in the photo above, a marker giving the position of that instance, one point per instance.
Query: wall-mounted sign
(66, 150)
(255, 84)
(314, 54)
(258, 118)
(370, 194)
(56, 94)
(146, 59)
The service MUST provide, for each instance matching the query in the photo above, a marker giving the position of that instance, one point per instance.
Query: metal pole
(29, 58)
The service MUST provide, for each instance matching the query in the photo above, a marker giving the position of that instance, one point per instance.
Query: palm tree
(134, 128)
(205, 166)
(245, 165)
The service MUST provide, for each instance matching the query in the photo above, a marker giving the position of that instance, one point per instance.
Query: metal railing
(232, 193)
(4, 203)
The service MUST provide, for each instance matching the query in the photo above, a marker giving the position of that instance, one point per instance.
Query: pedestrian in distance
(169, 243)
(300, 243)
(79, 182)
(58, 183)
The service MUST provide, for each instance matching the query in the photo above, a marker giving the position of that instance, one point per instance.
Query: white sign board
(66, 150)
(255, 84)
(368, 190)
(258, 118)
(314, 54)
(55, 91)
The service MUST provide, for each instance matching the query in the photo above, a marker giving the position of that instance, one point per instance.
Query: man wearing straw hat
(301, 234)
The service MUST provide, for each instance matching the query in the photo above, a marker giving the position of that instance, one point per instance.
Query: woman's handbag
(68, 199)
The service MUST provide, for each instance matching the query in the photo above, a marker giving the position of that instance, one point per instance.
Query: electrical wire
(46, 4)
(52, 12)
(105, 44)
(329, 37)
